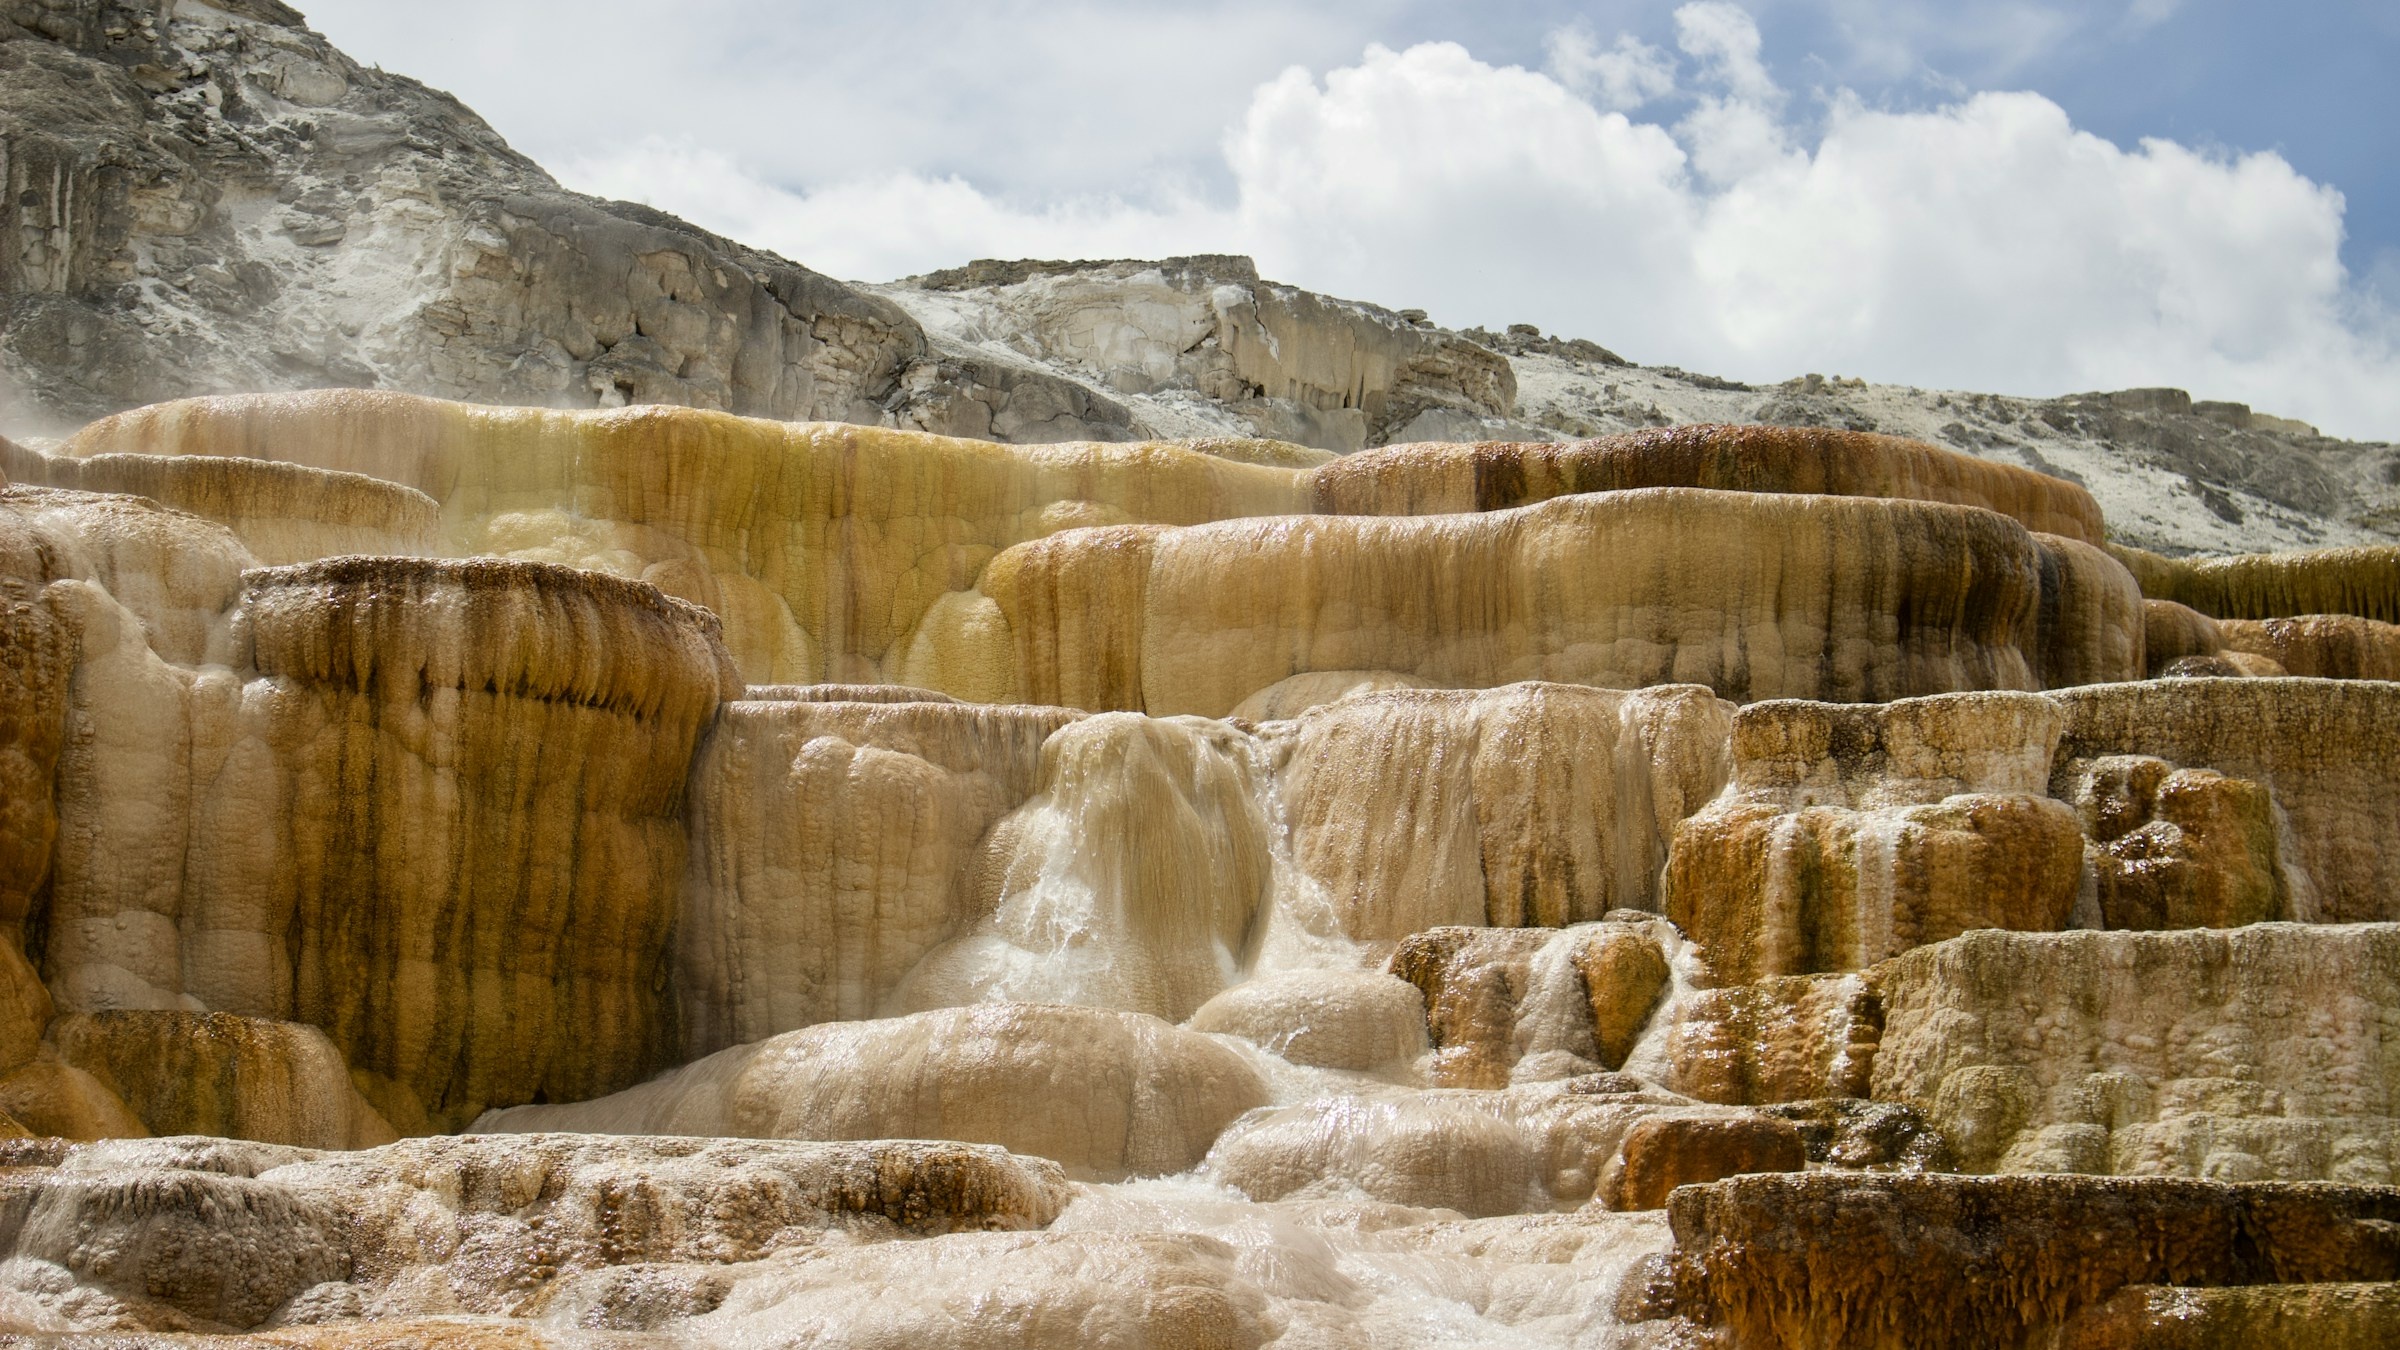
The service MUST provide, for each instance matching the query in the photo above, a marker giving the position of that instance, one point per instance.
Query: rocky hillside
(207, 197)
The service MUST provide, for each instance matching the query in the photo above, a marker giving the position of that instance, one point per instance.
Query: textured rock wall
(1854, 833)
(1755, 596)
(282, 513)
(2322, 747)
(1417, 480)
(1533, 804)
(2364, 581)
(819, 546)
(834, 844)
(2182, 1054)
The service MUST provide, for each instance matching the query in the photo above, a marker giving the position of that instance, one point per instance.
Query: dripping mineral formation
(677, 876)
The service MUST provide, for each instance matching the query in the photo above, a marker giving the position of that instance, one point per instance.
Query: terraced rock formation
(676, 875)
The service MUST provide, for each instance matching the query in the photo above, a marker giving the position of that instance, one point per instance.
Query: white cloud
(1987, 244)
(1620, 78)
(1724, 39)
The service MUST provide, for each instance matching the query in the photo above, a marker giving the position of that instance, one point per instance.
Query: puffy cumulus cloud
(1987, 244)
(1621, 77)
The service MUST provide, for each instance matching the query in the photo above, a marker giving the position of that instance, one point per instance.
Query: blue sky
(2014, 195)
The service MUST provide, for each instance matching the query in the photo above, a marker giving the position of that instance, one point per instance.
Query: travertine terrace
(700, 874)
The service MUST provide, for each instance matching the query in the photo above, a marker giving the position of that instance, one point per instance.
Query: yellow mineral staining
(821, 545)
(1419, 480)
(215, 1073)
(2330, 646)
(2324, 748)
(282, 513)
(1754, 596)
(834, 846)
(1852, 834)
(2362, 581)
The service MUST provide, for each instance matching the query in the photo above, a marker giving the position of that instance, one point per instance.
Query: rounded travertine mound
(1433, 1150)
(1105, 1094)
(1755, 596)
(219, 1074)
(2364, 581)
(462, 860)
(177, 574)
(993, 1291)
(282, 513)
(1331, 1019)
(1426, 479)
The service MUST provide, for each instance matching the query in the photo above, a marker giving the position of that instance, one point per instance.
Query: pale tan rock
(1436, 479)
(1333, 1019)
(2266, 1052)
(219, 1074)
(282, 513)
(2323, 748)
(835, 845)
(1531, 804)
(1301, 693)
(1432, 1150)
(2329, 646)
(821, 546)
(1222, 611)
(1853, 833)
(1105, 1094)
(1107, 1291)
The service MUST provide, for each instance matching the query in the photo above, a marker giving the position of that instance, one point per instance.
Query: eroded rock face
(1421, 480)
(2179, 1054)
(1534, 804)
(1852, 834)
(2319, 746)
(1827, 1260)
(1218, 612)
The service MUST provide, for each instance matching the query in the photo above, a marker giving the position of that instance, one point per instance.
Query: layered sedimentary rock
(1754, 596)
(1422, 480)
